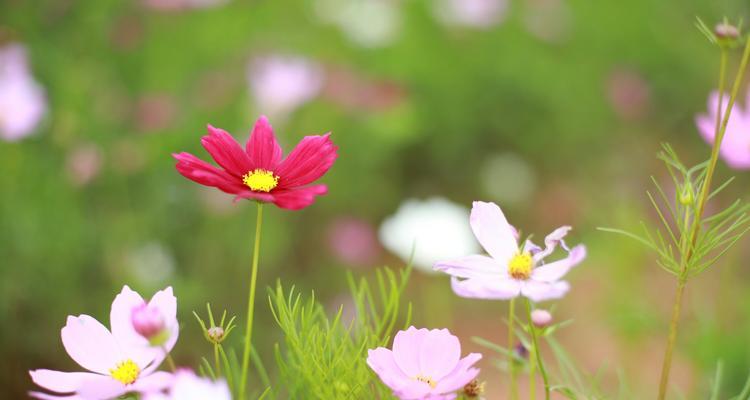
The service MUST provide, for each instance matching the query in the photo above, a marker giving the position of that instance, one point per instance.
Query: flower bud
(726, 31)
(521, 351)
(541, 318)
(687, 197)
(473, 389)
(148, 322)
(216, 334)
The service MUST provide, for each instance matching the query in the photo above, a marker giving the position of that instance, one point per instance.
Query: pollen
(427, 380)
(126, 372)
(519, 267)
(260, 180)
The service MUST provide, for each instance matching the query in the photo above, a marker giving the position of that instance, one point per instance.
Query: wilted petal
(493, 231)
(226, 152)
(262, 147)
(490, 289)
(311, 159)
(551, 242)
(555, 270)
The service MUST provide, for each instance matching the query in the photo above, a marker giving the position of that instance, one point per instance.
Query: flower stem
(217, 365)
(170, 361)
(511, 350)
(687, 251)
(532, 375)
(537, 351)
(251, 305)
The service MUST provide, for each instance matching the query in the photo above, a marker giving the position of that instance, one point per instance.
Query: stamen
(519, 267)
(427, 380)
(126, 372)
(260, 180)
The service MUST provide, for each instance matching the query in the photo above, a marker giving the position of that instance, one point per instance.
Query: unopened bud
(473, 389)
(687, 197)
(726, 30)
(541, 318)
(521, 351)
(148, 322)
(216, 334)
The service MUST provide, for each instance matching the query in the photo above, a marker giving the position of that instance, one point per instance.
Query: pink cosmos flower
(424, 364)
(120, 360)
(735, 147)
(510, 271)
(187, 386)
(280, 84)
(258, 172)
(22, 100)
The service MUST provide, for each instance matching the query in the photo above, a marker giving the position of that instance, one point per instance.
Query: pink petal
(553, 271)
(310, 160)
(540, 291)
(490, 289)
(493, 231)
(166, 302)
(461, 375)
(474, 266)
(415, 390)
(155, 382)
(551, 242)
(120, 317)
(90, 344)
(406, 349)
(382, 362)
(299, 198)
(199, 171)
(45, 396)
(439, 353)
(257, 196)
(100, 387)
(57, 381)
(263, 149)
(226, 152)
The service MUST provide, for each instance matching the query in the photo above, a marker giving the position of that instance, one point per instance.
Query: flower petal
(120, 317)
(101, 387)
(226, 152)
(311, 159)
(406, 350)
(540, 291)
(474, 266)
(299, 198)
(58, 381)
(90, 344)
(493, 231)
(461, 375)
(262, 148)
(382, 362)
(553, 271)
(45, 396)
(490, 289)
(439, 352)
(166, 303)
(199, 171)
(155, 382)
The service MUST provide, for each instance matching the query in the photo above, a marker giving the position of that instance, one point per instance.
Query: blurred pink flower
(472, 13)
(187, 386)
(83, 164)
(280, 84)
(424, 364)
(353, 241)
(177, 5)
(258, 171)
(628, 94)
(155, 112)
(509, 271)
(22, 99)
(735, 146)
(120, 362)
(349, 89)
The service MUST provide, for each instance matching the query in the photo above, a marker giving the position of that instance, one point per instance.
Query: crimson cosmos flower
(258, 172)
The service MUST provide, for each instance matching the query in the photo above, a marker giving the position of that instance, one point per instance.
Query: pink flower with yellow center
(120, 361)
(510, 270)
(424, 364)
(258, 172)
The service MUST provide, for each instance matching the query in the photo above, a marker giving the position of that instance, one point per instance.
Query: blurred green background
(552, 108)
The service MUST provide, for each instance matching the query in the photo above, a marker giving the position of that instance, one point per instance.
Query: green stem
(511, 350)
(170, 361)
(537, 351)
(251, 305)
(532, 375)
(217, 365)
(687, 253)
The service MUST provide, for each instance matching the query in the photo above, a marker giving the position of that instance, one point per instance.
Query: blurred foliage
(463, 95)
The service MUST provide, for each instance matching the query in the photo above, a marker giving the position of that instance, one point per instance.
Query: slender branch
(511, 349)
(251, 305)
(537, 351)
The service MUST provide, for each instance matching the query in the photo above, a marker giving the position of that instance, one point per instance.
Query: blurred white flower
(508, 178)
(368, 23)
(434, 229)
(280, 84)
(151, 264)
(472, 13)
(22, 99)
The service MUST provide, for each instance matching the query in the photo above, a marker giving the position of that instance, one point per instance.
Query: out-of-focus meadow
(554, 109)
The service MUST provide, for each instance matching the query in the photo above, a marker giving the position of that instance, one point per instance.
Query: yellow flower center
(260, 180)
(126, 372)
(519, 267)
(427, 380)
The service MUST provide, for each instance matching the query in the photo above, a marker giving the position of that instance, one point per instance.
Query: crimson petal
(226, 151)
(199, 171)
(262, 148)
(299, 198)
(309, 160)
